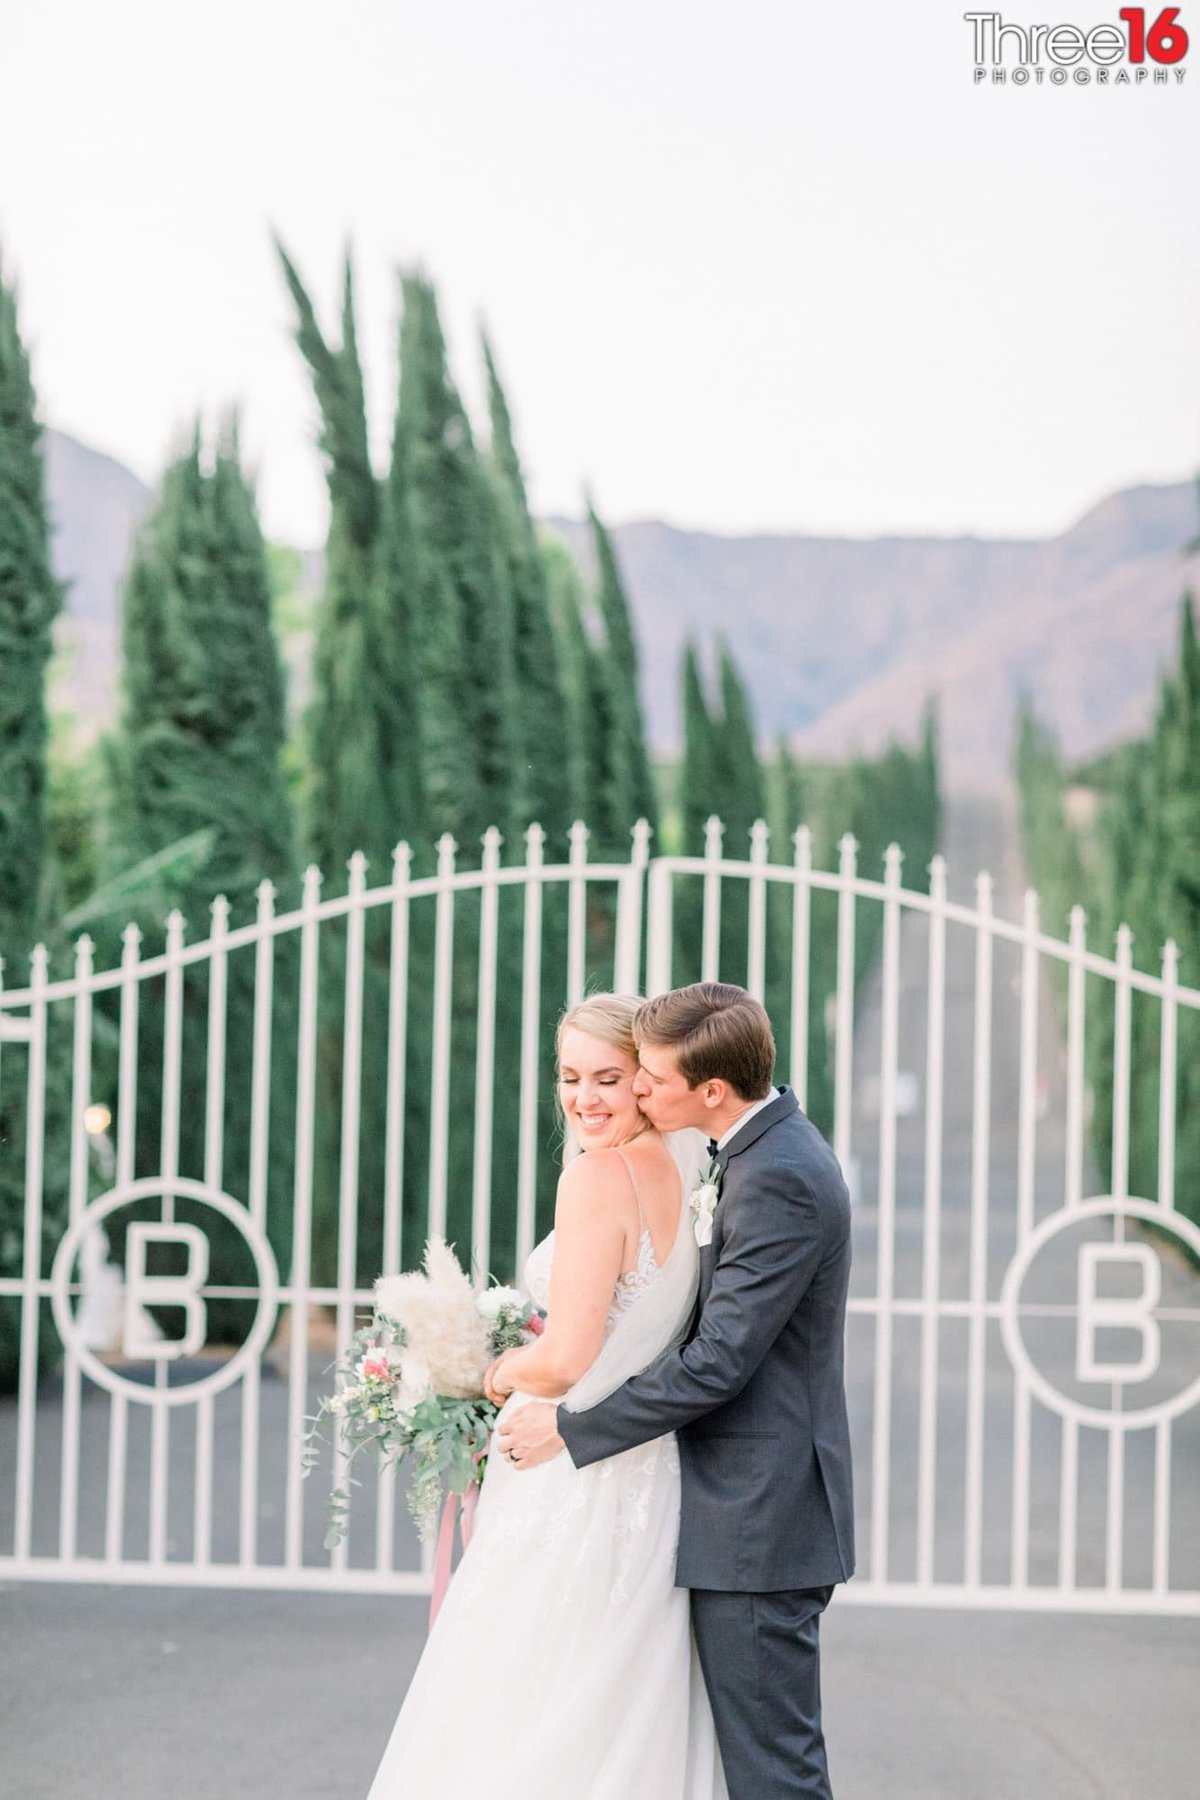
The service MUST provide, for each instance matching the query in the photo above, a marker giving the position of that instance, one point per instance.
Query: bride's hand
(493, 1382)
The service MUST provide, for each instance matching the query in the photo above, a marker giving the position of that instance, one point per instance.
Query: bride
(563, 1633)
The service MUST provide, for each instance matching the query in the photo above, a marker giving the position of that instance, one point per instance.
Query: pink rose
(375, 1368)
(536, 1324)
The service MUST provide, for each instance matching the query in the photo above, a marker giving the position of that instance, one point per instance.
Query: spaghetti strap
(633, 1181)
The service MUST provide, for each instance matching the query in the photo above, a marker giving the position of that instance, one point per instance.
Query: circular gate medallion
(1131, 1320)
(183, 1291)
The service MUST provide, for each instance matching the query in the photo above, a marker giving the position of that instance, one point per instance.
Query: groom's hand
(529, 1435)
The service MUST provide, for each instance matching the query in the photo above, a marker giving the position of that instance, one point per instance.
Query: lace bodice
(628, 1289)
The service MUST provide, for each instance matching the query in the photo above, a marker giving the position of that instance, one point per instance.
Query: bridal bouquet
(411, 1384)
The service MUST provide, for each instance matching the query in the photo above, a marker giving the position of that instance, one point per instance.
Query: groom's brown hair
(718, 1032)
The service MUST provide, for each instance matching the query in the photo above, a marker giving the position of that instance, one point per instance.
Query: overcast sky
(773, 265)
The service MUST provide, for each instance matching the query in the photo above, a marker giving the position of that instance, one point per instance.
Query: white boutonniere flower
(703, 1201)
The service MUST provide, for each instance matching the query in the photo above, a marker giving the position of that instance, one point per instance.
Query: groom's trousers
(761, 1663)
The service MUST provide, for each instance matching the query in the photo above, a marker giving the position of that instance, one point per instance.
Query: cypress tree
(199, 750)
(1182, 823)
(699, 798)
(604, 794)
(791, 797)
(455, 517)
(624, 664)
(566, 604)
(540, 713)
(29, 602)
(741, 801)
(371, 783)
(362, 732)
(30, 599)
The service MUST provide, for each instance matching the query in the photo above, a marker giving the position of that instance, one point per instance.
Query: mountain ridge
(839, 639)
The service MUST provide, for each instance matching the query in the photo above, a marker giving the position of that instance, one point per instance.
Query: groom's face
(663, 1093)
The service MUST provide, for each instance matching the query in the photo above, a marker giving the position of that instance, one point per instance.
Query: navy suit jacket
(757, 1393)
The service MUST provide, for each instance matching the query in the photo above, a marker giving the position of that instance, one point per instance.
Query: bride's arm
(589, 1244)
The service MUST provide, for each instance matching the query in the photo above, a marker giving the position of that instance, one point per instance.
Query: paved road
(129, 1694)
(113, 1694)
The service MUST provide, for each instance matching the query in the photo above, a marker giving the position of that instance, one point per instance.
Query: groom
(757, 1393)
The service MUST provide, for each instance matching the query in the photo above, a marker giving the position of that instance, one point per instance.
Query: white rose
(703, 1204)
(491, 1303)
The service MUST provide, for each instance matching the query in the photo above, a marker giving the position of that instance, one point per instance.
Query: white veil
(662, 1315)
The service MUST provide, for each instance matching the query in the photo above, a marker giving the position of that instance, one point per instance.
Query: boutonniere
(704, 1199)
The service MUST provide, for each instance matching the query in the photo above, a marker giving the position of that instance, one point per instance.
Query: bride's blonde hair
(608, 1017)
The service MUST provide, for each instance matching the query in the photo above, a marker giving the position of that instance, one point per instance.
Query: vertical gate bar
(980, 1150)
(114, 1506)
(160, 1420)
(531, 987)
(1076, 990)
(31, 1253)
(710, 950)
(1114, 1536)
(843, 1041)
(1162, 1506)
(485, 1058)
(260, 1076)
(1068, 1505)
(81, 1081)
(214, 1165)
(393, 1174)
(443, 996)
(131, 939)
(260, 1125)
(801, 950)
(1122, 1060)
(1026, 1151)
(1122, 1035)
(935, 1043)
(159, 1475)
(397, 1062)
(202, 1515)
(302, 1216)
(577, 915)
(1027, 1078)
(172, 1058)
(756, 954)
(118, 1433)
(1167, 1076)
(627, 960)
(885, 1254)
(658, 969)
(347, 1242)
(214, 1110)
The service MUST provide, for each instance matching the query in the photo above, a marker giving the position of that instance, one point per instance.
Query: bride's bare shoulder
(600, 1179)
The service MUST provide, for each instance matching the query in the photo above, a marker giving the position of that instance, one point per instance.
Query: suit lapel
(783, 1105)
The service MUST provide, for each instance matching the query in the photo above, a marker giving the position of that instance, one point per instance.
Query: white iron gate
(1023, 1350)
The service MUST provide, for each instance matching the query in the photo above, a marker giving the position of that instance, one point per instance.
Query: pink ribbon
(459, 1509)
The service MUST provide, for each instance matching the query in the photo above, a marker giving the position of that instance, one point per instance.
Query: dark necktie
(712, 1147)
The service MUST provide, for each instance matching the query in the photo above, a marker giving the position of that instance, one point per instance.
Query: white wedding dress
(562, 1662)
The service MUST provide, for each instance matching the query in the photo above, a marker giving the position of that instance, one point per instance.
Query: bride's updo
(608, 1017)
